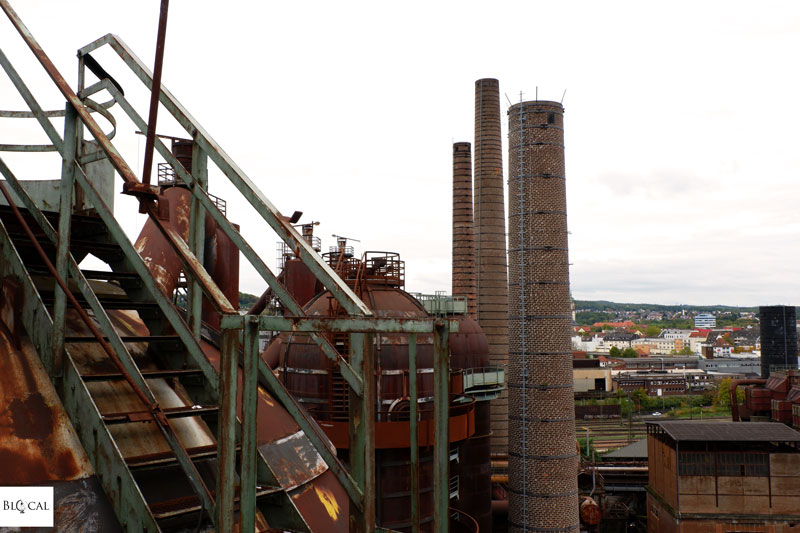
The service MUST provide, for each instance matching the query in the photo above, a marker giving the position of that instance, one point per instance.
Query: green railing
(360, 324)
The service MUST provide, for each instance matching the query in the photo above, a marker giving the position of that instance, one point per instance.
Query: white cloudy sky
(681, 124)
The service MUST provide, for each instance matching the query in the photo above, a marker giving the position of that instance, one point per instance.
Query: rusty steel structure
(490, 243)
(378, 278)
(543, 461)
(159, 416)
(463, 232)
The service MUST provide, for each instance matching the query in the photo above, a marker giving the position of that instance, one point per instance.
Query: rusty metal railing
(359, 480)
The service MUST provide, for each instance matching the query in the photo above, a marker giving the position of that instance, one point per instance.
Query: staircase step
(172, 412)
(108, 276)
(168, 458)
(128, 338)
(191, 504)
(86, 245)
(110, 303)
(148, 374)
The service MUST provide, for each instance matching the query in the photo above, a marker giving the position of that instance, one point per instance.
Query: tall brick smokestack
(490, 243)
(543, 462)
(463, 239)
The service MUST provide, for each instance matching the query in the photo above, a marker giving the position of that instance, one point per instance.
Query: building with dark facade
(778, 338)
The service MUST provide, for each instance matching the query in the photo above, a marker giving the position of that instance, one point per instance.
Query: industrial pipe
(500, 508)
(734, 401)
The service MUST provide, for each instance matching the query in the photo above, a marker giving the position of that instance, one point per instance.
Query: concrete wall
(584, 378)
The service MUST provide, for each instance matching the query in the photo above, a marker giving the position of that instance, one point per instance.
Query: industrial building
(722, 476)
(339, 401)
(139, 391)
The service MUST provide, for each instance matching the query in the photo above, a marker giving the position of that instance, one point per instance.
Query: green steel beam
(339, 289)
(118, 346)
(314, 433)
(338, 325)
(34, 106)
(362, 433)
(127, 500)
(67, 187)
(247, 477)
(35, 318)
(118, 482)
(226, 433)
(200, 195)
(197, 228)
(413, 393)
(136, 263)
(190, 263)
(441, 414)
(113, 155)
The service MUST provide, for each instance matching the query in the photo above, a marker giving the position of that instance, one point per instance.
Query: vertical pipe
(362, 433)
(155, 91)
(543, 461)
(197, 237)
(463, 236)
(413, 394)
(247, 508)
(490, 243)
(67, 186)
(226, 447)
(441, 414)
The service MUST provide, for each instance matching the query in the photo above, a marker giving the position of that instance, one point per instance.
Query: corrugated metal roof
(637, 450)
(687, 430)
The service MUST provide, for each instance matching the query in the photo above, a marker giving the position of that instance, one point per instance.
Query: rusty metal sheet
(323, 504)
(293, 459)
(37, 442)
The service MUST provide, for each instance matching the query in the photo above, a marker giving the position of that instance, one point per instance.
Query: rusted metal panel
(313, 380)
(324, 504)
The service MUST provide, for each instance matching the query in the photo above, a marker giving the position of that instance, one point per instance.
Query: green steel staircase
(227, 478)
(135, 482)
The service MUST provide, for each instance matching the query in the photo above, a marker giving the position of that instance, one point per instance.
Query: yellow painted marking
(329, 501)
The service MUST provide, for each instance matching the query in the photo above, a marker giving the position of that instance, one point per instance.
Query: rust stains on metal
(37, 442)
(31, 418)
(22, 468)
(293, 460)
(323, 503)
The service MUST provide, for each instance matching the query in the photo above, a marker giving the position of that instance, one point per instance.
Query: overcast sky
(681, 124)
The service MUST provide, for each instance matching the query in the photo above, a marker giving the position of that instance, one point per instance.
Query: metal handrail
(236, 176)
(339, 288)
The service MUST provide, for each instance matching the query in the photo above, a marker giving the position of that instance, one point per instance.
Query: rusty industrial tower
(542, 457)
(490, 243)
(463, 236)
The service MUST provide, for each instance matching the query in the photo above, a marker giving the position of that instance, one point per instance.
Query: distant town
(664, 350)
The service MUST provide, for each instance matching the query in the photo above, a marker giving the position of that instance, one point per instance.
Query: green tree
(686, 351)
(723, 396)
(614, 352)
(629, 352)
(652, 331)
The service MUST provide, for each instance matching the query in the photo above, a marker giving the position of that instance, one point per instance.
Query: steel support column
(67, 185)
(441, 406)
(226, 445)
(362, 433)
(197, 229)
(413, 393)
(247, 507)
